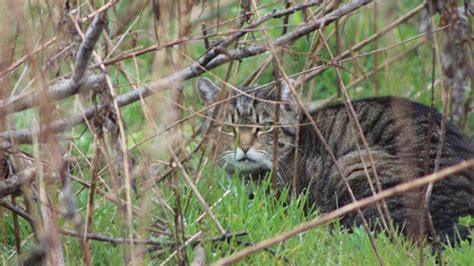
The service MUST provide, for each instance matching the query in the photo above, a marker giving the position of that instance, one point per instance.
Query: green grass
(261, 217)
(265, 215)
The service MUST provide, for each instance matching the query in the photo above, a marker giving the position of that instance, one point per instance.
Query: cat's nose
(245, 149)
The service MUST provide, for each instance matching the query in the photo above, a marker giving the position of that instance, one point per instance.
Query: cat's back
(388, 122)
(403, 144)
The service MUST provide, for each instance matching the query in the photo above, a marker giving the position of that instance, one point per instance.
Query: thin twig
(17, 210)
(385, 216)
(117, 240)
(196, 192)
(170, 82)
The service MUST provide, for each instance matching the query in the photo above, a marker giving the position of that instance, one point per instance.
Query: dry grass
(100, 151)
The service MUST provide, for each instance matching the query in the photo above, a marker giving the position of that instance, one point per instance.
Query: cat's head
(241, 135)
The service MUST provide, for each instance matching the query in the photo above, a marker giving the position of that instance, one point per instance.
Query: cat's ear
(207, 89)
(287, 93)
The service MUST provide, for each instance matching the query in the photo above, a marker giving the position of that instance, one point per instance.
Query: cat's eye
(227, 129)
(265, 127)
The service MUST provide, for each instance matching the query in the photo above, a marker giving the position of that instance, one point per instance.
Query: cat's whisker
(225, 157)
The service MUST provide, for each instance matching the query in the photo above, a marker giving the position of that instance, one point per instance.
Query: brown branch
(385, 216)
(205, 36)
(57, 91)
(200, 198)
(53, 40)
(199, 257)
(404, 187)
(13, 183)
(210, 60)
(68, 87)
(16, 228)
(100, 10)
(216, 50)
(17, 210)
(118, 240)
(24, 58)
(87, 47)
(365, 42)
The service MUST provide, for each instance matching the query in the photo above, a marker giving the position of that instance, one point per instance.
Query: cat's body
(396, 131)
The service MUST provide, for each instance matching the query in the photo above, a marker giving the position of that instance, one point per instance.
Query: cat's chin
(246, 167)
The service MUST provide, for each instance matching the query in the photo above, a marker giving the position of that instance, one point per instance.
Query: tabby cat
(241, 138)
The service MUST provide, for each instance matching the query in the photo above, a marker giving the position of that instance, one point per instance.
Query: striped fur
(395, 129)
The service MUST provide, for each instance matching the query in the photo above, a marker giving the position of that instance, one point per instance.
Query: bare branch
(199, 257)
(118, 240)
(68, 87)
(87, 47)
(13, 183)
(57, 91)
(210, 60)
(17, 210)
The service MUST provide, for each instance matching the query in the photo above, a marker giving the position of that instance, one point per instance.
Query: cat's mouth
(249, 162)
(246, 160)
